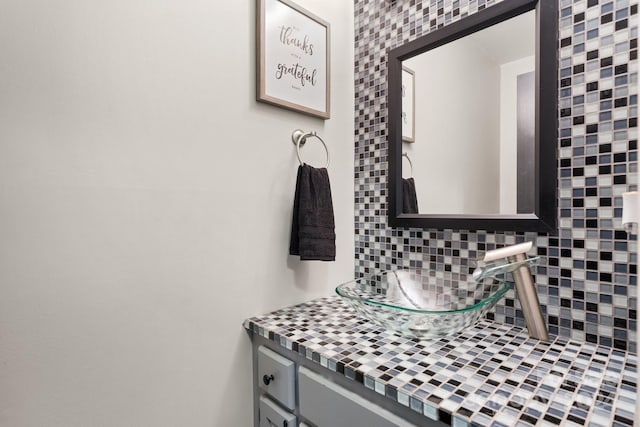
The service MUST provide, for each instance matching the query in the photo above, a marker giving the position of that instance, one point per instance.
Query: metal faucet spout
(525, 287)
(529, 302)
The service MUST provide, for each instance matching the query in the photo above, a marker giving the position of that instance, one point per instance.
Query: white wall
(455, 154)
(145, 206)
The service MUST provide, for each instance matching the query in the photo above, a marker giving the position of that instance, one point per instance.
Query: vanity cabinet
(292, 391)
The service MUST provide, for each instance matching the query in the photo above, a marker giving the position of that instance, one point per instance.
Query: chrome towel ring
(299, 138)
(410, 162)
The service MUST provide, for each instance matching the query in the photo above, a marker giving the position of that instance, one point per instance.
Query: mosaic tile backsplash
(587, 276)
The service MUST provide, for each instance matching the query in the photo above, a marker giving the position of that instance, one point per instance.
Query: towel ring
(299, 138)
(410, 163)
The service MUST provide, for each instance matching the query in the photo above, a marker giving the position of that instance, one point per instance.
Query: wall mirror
(473, 122)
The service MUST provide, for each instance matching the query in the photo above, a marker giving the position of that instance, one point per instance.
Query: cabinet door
(276, 376)
(271, 415)
(326, 404)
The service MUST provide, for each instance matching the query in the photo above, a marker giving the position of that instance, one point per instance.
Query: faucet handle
(494, 269)
(507, 251)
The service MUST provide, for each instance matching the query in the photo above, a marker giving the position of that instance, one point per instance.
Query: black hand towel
(409, 198)
(313, 234)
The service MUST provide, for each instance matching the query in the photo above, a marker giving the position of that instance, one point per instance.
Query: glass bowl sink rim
(505, 286)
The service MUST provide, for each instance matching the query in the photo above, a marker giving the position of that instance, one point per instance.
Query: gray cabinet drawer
(327, 404)
(276, 376)
(271, 415)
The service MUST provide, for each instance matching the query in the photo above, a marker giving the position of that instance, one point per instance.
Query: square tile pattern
(489, 375)
(587, 277)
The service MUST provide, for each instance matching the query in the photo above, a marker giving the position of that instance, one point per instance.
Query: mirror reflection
(468, 123)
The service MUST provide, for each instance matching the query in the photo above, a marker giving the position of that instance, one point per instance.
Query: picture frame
(293, 58)
(408, 105)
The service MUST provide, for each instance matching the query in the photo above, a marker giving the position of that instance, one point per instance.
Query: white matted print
(293, 58)
(408, 105)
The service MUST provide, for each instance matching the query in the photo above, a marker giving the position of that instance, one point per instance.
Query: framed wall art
(408, 105)
(293, 58)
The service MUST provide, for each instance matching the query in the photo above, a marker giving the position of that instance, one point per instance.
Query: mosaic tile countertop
(489, 375)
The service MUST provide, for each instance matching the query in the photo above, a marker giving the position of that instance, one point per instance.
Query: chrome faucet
(525, 287)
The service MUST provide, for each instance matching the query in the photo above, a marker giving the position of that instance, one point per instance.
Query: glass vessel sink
(421, 303)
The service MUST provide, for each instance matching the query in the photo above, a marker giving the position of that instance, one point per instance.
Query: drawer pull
(285, 423)
(266, 379)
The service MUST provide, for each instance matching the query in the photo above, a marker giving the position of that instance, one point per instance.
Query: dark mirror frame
(544, 217)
